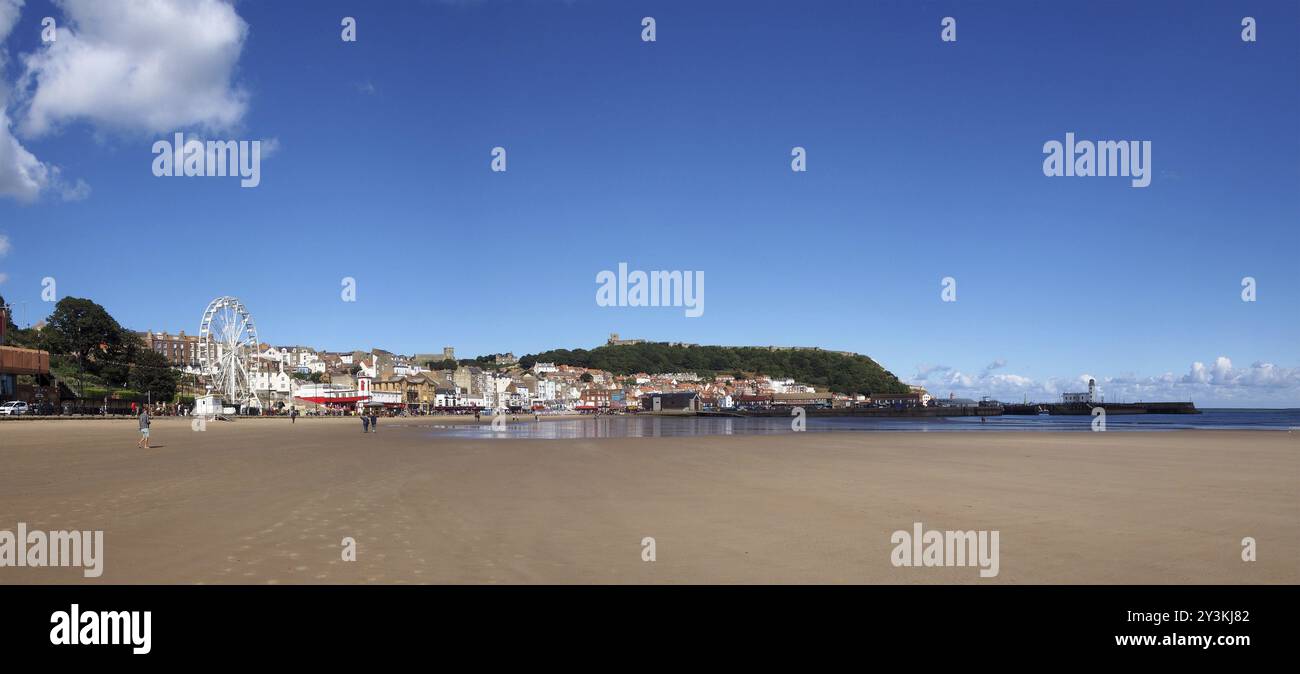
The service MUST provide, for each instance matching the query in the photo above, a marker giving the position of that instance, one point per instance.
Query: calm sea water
(654, 427)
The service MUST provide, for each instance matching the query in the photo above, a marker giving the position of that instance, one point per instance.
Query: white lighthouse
(1089, 397)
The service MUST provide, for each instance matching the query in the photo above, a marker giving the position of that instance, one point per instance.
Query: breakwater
(1085, 409)
(868, 412)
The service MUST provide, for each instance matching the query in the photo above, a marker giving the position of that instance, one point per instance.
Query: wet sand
(263, 501)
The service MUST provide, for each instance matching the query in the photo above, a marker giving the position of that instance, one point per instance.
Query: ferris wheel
(227, 348)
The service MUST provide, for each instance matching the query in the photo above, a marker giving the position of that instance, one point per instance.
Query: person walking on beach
(374, 422)
(293, 416)
(144, 429)
(365, 424)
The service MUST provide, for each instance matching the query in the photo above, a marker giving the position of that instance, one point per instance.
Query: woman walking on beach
(365, 424)
(144, 429)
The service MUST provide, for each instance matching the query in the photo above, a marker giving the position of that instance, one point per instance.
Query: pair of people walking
(368, 422)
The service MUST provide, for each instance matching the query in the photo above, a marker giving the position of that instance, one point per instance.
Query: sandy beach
(265, 502)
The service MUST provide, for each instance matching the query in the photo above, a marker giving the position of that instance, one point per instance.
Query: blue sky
(924, 162)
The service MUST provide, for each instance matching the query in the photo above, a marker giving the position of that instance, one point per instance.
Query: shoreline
(468, 420)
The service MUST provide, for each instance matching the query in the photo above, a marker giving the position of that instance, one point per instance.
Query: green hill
(839, 372)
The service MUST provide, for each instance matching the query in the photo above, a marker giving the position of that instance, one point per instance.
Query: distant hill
(837, 371)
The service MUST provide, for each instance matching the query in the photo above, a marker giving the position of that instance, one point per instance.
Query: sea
(1284, 420)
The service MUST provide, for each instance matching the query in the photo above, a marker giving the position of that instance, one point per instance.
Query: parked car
(13, 408)
(43, 408)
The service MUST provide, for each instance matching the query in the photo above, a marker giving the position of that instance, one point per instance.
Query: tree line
(85, 334)
(837, 372)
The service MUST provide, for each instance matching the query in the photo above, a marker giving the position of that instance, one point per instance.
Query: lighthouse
(1082, 398)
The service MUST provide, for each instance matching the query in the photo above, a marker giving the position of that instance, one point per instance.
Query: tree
(586, 377)
(10, 328)
(117, 359)
(152, 375)
(83, 329)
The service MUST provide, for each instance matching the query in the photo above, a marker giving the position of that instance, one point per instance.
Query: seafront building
(17, 362)
(181, 350)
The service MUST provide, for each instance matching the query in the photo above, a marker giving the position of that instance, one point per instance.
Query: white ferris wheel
(227, 348)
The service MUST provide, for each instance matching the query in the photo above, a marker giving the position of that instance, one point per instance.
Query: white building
(546, 390)
(1089, 397)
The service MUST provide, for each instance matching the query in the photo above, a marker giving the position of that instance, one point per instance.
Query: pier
(1085, 409)
(884, 412)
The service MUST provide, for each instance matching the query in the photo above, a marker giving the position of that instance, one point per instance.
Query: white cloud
(151, 66)
(4, 250)
(22, 175)
(9, 11)
(134, 66)
(1219, 383)
(270, 147)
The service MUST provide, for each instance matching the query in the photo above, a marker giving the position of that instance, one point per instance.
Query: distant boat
(1042, 411)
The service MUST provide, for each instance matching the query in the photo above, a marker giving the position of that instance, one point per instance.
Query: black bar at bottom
(742, 624)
